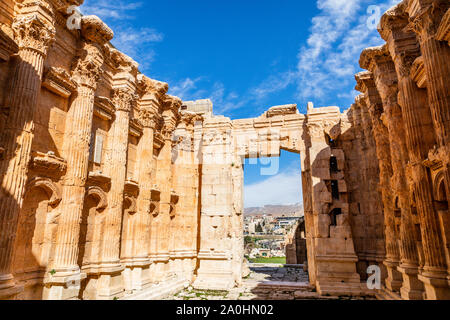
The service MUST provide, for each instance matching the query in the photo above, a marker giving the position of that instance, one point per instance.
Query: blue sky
(248, 55)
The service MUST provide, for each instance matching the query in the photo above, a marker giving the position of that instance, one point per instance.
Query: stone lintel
(136, 128)
(58, 81)
(104, 108)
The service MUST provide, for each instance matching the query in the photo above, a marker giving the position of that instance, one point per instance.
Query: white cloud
(282, 189)
(135, 42)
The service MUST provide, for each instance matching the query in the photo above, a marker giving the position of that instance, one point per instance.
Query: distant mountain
(276, 210)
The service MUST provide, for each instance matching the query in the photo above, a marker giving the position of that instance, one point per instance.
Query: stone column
(164, 178)
(64, 282)
(420, 139)
(379, 61)
(374, 240)
(110, 282)
(34, 34)
(135, 255)
(426, 17)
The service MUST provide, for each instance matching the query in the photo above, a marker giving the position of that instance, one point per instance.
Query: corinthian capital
(149, 86)
(148, 118)
(123, 99)
(426, 16)
(32, 32)
(87, 67)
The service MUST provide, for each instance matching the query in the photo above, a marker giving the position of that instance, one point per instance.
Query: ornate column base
(9, 289)
(436, 285)
(103, 282)
(160, 268)
(136, 276)
(412, 288)
(394, 279)
(215, 272)
(63, 285)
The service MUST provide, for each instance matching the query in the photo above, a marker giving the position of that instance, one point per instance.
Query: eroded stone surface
(113, 189)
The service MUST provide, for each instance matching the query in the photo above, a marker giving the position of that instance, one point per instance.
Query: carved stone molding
(32, 32)
(104, 108)
(53, 191)
(158, 141)
(123, 99)
(48, 164)
(131, 188)
(147, 118)
(132, 209)
(136, 129)
(100, 195)
(87, 66)
(99, 179)
(150, 86)
(443, 33)
(58, 81)
(282, 110)
(425, 19)
(155, 197)
(62, 5)
(174, 198)
(95, 30)
(418, 73)
(7, 46)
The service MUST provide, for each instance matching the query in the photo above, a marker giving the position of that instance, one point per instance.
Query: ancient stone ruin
(113, 189)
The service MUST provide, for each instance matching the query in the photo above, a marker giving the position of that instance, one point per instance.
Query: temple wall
(111, 188)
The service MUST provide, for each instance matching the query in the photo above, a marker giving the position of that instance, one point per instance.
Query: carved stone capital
(123, 63)
(148, 118)
(443, 33)
(426, 19)
(407, 59)
(396, 18)
(150, 86)
(87, 67)
(172, 103)
(123, 99)
(191, 118)
(32, 32)
(373, 56)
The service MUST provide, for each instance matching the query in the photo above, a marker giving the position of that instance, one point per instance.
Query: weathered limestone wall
(111, 188)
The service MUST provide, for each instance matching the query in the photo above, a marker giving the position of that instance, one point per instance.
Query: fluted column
(33, 35)
(135, 254)
(425, 19)
(373, 209)
(366, 85)
(117, 169)
(87, 69)
(436, 54)
(420, 139)
(164, 180)
(379, 61)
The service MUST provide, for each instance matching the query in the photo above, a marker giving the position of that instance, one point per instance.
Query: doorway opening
(274, 224)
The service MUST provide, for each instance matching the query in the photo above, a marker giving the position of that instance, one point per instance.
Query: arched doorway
(34, 237)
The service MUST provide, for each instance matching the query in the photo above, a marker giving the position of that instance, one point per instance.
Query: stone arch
(99, 195)
(440, 192)
(91, 230)
(52, 190)
(36, 228)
